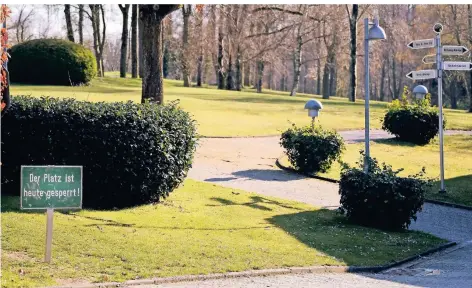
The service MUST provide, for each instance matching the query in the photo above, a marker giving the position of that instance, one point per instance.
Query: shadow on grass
(257, 202)
(334, 236)
(458, 190)
(395, 142)
(12, 204)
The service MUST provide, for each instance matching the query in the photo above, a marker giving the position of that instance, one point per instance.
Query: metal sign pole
(367, 96)
(49, 217)
(440, 104)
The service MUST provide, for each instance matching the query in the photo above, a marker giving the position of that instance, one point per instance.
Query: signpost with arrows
(438, 74)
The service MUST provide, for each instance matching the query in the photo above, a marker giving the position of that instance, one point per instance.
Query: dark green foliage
(380, 198)
(312, 150)
(131, 153)
(51, 62)
(417, 123)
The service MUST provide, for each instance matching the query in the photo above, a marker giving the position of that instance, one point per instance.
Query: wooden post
(49, 217)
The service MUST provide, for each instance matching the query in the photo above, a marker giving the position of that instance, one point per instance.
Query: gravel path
(249, 164)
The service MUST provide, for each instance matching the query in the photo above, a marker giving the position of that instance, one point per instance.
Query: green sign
(56, 187)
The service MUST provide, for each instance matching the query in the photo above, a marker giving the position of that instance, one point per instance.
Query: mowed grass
(457, 163)
(202, 228)
(233, 113)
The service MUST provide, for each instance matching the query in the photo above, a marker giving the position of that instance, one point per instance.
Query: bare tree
(124, 39)
(98, 38)
(22, 24)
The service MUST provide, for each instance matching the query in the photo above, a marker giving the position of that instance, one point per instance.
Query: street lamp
(313, 106)
(374, 33)
(420, 92)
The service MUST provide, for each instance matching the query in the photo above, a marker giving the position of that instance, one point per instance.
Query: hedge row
(131, 153)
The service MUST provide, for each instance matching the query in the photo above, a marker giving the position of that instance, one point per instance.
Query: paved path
(249, 164)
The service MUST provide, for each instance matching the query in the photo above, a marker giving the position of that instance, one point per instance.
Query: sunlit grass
(457, 161)
(202, 228)
(233, 113)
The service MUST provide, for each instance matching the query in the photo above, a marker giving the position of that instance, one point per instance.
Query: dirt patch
(17, 256)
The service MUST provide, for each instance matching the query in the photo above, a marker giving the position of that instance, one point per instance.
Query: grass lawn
(233, 113)
(457, 156)
(202, 228)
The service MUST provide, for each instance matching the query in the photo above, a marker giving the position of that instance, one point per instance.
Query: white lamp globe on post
(420, 92)
(374, 33)
(313, 106)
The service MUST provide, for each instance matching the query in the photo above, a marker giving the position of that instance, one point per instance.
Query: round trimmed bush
(51, 62)
(312, 150)
(416, 123)
(131, 153)
(381, 198)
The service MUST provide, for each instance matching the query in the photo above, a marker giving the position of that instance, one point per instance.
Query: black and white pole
(439, 67)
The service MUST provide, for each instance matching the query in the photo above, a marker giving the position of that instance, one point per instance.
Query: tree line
(314, 49)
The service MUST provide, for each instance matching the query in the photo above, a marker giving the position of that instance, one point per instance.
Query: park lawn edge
(295, 227)
(432, 196)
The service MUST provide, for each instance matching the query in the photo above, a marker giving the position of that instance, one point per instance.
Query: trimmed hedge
(51, 62)
(312, 150)
(381, 198)
(416, 123)
(131, 153)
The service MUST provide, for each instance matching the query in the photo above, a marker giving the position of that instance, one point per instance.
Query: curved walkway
(249, 164)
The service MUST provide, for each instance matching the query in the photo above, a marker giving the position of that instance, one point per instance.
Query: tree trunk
(221, 74)
(200, 62)
(140, 44)
(134, 41)
(81, 24)
(238, 69)
(97, 41)
(297, 59)
(260, 75)
(186, 10)
(247, 74)
(453, 92)
(382, 82)
(326, 80)
(152, 16)
(229, 75)
(124, 39)
(70, 30)
(333, 79)
(353, 53)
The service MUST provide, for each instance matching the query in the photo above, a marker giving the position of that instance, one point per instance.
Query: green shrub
(312, 150)
(131, 153)
(51, 62)
(417, 123)
(380, 198)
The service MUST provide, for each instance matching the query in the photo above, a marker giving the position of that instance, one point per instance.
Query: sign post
(49, 188)
(438, 74)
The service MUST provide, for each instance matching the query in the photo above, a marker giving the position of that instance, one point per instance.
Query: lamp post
(313, 106)
(374, 33)
(420, 92)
